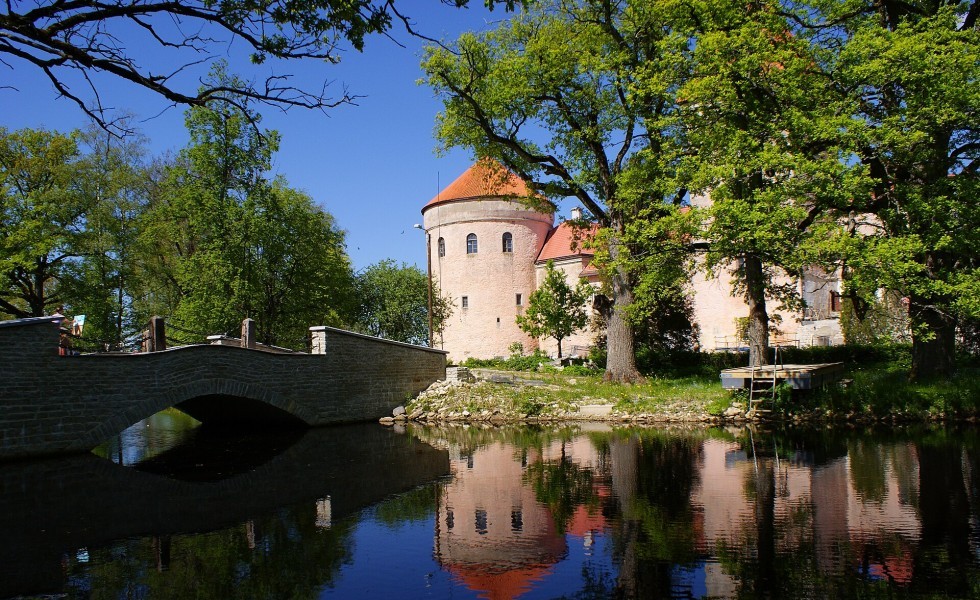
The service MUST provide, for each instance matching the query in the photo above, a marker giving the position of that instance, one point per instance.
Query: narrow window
(466, 301)
(508, 240)
(481, 521)
(520, 300)
(471, 243)
(516, 520)
(835, 301)
(442, 247)
(450, 519)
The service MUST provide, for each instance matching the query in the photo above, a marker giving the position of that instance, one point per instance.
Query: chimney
(576, 214)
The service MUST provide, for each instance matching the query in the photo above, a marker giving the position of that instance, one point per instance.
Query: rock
(733, 411)
(386, 420)
(399, 410)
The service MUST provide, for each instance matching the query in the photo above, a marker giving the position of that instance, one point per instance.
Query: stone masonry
(53, 404)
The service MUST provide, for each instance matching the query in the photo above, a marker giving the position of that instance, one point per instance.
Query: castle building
(488, 251)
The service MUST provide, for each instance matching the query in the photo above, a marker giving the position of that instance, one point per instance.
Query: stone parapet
(53, 404)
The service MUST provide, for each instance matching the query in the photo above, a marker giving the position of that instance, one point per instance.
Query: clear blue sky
(372, 166)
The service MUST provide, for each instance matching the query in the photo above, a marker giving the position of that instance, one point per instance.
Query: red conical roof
(486, 178)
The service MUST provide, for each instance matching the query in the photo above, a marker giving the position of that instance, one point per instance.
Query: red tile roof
(484, 178)
(561, 240)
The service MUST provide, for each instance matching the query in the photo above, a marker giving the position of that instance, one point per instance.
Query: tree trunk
(933, 340)
(620, 353)
(559, 349)
(755, 298)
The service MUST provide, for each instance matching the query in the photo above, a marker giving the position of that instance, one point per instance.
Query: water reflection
(466, 512)
(710, 513)
(93, 527)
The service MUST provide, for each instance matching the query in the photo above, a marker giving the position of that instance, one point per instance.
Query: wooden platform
(799, 377)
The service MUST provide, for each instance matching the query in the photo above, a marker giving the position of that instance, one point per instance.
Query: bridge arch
(207, 400)
(51, 403)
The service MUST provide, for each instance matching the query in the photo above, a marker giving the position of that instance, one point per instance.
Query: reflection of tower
(491, 532)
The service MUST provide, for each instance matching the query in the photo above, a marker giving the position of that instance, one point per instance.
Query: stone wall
(56, 404)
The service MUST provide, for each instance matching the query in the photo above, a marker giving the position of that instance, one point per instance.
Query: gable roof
(561, 240)
(486, 178)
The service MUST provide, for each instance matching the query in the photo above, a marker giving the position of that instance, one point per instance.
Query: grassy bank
(687, 388)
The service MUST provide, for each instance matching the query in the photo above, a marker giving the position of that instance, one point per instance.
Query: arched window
(442, 247)
(471, 243)
(508, 240)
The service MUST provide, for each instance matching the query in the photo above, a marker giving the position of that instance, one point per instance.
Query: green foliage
(555, 309)
(394, 303)
(225, 242)
(514, 362)
(42, 218)
(910, 77)
(578, 99)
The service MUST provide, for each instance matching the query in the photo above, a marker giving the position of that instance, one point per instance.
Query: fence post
(248, 333)
(158, 334)
(318, 340)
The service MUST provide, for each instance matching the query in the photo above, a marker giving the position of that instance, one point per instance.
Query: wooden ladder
(759, 385)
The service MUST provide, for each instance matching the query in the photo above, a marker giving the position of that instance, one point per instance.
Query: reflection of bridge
(52, 507)
(54, 404)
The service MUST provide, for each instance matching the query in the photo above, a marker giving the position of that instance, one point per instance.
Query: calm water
(174, 510)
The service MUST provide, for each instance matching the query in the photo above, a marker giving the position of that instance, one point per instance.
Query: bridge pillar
(318, 339)
(248, 333)
(158, 334)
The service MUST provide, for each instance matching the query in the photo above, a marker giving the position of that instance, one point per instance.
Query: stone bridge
(52, 404)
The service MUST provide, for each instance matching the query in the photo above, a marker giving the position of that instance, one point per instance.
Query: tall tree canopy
(42, 218)
(767, 141)
(578, 99)
(225, 242)
(911, 70)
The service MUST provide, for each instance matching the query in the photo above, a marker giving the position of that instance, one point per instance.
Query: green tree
(394, 303)
(555, 309)
(226, 242)
(911, 71)
(99, 281)
(578, 98)
(767, 143)
(42, 218)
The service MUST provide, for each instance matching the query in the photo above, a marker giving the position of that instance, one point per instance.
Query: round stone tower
(483, 243)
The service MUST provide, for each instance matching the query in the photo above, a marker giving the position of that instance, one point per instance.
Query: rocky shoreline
(464, 399)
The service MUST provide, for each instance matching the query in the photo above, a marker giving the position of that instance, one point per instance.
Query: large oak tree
(911, 71)
(578, 99)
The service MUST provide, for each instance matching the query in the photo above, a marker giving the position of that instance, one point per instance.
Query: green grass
(689, 383)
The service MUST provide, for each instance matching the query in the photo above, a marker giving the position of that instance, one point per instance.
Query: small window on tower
(520, 300)
(508, 240)
(442, 247)
(466, 302)
(471, 243)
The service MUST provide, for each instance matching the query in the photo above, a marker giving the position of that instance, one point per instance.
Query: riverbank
(875, 394)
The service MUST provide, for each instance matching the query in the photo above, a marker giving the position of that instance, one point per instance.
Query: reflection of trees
(562, 486)
(657, 530)
(943, 562)
(411, 507)
(284, 555)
